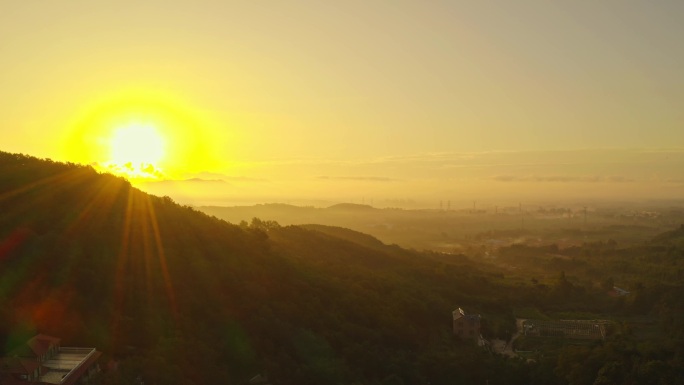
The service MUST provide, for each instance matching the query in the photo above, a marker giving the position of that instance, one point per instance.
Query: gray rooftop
(64, 363)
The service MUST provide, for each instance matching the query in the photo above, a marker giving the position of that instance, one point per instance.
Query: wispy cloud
(201, 180)
(495, 158)
(357, 178)
(562, 179)
(189, 181)
(130, 170)
(213, 176)
(244, 179)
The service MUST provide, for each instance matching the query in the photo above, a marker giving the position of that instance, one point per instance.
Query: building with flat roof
(42, 360)
(580, 329)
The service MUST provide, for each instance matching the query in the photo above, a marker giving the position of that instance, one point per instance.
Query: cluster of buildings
(42, 360)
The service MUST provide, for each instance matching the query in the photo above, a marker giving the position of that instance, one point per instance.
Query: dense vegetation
(179, 297)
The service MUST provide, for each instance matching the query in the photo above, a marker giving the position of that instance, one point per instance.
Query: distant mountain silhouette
(350, 206)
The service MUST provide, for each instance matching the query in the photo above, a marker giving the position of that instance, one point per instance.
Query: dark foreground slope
(177, 296)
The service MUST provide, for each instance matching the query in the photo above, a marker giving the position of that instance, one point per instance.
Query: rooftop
(458, 313)
(36, 346)
(67, 364)
(17, 365)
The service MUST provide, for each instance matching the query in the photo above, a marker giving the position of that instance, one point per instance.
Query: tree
(607, 284)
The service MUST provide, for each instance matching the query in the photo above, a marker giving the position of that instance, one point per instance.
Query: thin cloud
(223, 177)
(244, 179)
(201, 180)
(489, 158)
(357, 178)
(196, 181)
(562, 179)
(129, 169)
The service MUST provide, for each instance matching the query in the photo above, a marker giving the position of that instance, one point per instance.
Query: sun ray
(162, 258)
(120, 270)
(55, 180)
(100, 203)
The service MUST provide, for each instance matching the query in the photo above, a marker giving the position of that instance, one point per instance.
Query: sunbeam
(162, 257)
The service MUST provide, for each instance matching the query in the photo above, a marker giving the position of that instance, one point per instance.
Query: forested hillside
(179, 297)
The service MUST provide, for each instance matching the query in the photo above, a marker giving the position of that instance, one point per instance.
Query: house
(18, 368)
(39, 348)
(466, 325)
(42, 360)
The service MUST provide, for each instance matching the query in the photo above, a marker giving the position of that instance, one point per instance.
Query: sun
(137, 148)
(143, 135)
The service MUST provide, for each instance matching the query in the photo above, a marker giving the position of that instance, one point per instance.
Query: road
(506, 348)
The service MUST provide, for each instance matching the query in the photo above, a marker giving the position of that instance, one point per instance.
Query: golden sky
(398, 99)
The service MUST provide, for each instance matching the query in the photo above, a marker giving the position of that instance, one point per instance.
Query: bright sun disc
(136, 144)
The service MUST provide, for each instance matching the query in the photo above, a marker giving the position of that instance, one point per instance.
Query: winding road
(506, 348)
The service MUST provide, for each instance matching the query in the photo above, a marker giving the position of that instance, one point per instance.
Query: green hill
(350, 235)
(178, 296)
